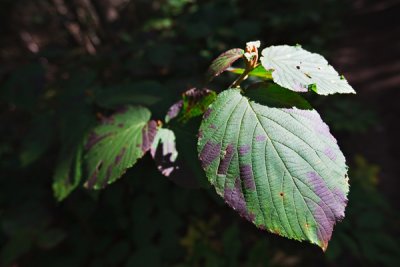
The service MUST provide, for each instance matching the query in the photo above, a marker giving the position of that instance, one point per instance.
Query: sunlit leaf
(258, 71)
(223, 61)
(163, 150)
(280, 168)
(299, 70)
(116, 144)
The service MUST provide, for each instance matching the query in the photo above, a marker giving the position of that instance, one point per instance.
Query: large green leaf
(299, 70)
(280, 168)
(116, 144)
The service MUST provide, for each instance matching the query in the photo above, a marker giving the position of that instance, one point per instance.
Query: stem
(241, 78)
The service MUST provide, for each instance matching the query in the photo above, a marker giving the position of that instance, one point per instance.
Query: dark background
(57, 55)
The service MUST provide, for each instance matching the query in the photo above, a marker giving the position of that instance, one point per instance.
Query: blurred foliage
(66, 64)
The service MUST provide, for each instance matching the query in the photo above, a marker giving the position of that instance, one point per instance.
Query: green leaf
(222, 62)
(193, 104)
(68, 171)
(299, 70)
(163, 150)
(258, 71)
(116, 144)
(280, 168)
(273, 95)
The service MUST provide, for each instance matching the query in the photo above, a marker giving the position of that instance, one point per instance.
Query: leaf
(163, 150)
(258, 71)
(299, 70)
(222, 62)
(193, 104)
(273, 95)
(116, 144)
(280, 168)
(68, 171)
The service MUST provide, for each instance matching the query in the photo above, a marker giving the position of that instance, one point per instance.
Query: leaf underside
(116, 144)
(280, 168)
(163, 150)
(223, 61)
(299, 70)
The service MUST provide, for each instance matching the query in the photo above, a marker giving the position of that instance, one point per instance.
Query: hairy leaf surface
(116, 144)
(280, 168)
(223, 61)
(299, 70)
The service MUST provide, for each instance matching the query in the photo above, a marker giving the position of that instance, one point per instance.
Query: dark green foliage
(150, 54)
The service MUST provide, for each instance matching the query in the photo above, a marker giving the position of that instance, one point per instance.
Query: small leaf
(280, 168)
(222, 62)
(258, 71)
(116, 144)
(68, 171)
(163, 150)
(300, 71)
(193, 104)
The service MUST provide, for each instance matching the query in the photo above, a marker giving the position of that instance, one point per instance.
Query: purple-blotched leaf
(223, 61)
(116, 144)
(277, 165)
(193, 104)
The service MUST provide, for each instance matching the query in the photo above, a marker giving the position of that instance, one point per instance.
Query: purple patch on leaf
(235, 199)
(317, 124)
(207, 113)
(94, 139)
(340, 196)
(209, 153)
(246, 174)
(212, 126)
(224, 164)
(174, 110)
(118, 158)
(243, 150)
(328, 210)
(148, 134)
(261, 138)
(330, 153)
